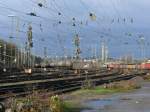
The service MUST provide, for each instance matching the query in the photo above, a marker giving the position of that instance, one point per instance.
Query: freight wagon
(145, 66)
(129, 66)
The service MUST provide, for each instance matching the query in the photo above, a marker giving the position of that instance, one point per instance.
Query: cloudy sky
(119, 23)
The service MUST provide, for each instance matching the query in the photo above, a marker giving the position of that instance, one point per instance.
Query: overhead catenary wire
(64, 19)
(26, 13)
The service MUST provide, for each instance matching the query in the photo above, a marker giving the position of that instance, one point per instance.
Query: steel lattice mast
(77, 46)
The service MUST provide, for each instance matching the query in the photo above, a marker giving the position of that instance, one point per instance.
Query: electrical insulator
(92, 16)
(59, 22)
(40, 4)
(73, 19)
(78, 51)
(59, 13)
(31, 14)
(73, 24)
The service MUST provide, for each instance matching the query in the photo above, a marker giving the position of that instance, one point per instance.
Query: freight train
(141, 66)
(61, 65)
(71, 64)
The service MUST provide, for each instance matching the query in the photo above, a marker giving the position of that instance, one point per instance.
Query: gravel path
(136, 101)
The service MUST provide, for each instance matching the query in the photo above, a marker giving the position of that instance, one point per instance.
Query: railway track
(37, 76)
(63, 84)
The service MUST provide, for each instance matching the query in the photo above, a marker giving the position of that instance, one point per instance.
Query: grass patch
(103, 91)
(147, 77)
(70, 106)
(97, 90)
(94, 91)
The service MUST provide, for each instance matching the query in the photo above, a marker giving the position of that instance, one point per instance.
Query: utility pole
(103, 52)
(26, 55)
(1, 53)
(19, 60)
(45, 56)
(4, 60)
(17, 54)
(95, 52)
(104, 55)
(142, 44)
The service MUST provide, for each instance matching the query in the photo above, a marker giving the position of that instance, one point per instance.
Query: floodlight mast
(11, 37)
(142, 44)
(17, 56)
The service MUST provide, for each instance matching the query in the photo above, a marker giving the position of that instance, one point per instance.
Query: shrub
(56, 104)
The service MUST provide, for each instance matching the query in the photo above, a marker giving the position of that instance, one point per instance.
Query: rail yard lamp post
(0, 53)
(142, 45)
(4, 60)
(11, 37)
(16, 59)
(17, 54)
(104, 54)
(45, 58)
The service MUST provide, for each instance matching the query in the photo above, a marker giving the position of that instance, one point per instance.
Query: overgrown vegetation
(88, 84)
(70, 106)
(94, 91)
(39, 103)
(123, 85)
(36, 103)
(110, 88)
(147, 77)
(13, 55)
